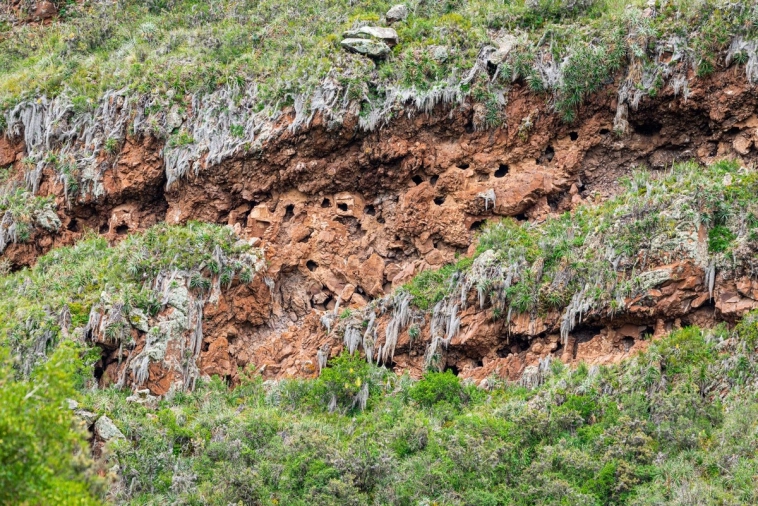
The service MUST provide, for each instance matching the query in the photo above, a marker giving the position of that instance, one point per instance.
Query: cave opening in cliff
(311, 265)
(463, 166)
(476, 225)
(369, 210)
(417, 180)
(122, 230)
(502, 170)
(573, 136)
(326, 203)
(627, 343)
(439, 200)
(452, 368)
(433, 180)
(342, 207)
(648, 129)
(289, 212)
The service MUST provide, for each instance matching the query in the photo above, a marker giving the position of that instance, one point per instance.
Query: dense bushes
(437, 387)
(43, 453)
(678, 420)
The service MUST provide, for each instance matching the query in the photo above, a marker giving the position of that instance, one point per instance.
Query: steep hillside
(297, 197)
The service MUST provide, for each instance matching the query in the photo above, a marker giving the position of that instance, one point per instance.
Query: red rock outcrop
(348, 215)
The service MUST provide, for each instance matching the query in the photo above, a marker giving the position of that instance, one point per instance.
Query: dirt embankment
(349, 215)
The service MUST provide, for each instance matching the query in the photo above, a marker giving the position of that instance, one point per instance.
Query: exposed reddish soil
(349, 214)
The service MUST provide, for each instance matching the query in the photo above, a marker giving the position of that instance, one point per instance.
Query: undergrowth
(674, 425)
(53, 300)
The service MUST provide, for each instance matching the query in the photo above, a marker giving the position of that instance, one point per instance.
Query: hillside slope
(349, 213)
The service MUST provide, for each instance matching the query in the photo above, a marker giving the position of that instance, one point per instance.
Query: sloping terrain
(336, 192)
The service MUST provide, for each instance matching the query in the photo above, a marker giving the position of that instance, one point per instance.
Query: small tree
(43, 452)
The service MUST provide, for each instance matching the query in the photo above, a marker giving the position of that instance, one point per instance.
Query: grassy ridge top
(287, 48)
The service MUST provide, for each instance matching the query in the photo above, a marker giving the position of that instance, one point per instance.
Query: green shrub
(438, 387)
(720, 238)
(43, 452)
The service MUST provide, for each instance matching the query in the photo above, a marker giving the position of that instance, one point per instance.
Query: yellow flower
(358, 382)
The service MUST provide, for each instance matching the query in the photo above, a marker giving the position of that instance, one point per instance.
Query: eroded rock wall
(344, 215)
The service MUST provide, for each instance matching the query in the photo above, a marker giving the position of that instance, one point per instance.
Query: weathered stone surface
(106, 430)
(367, 47)
(371, 210)
(396, 13)
(505, 44)
(88, 417)
(742, 144)
(381, 34)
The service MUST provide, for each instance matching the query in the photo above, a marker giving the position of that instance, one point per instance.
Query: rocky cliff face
(346, 216)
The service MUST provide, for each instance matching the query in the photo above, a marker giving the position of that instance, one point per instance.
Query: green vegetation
(21, 212)
(674, 425)
(44, 456)
(54, 298)
(598, 255)
(287, 48)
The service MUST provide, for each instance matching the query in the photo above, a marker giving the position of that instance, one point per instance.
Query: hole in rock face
(370, 210)
(380, 220)
(311, 265)
(433, 180)
(99, 370)
(73, 226)
(503, 352)
(573, 136)
(122, 230)
(521, 217)
(439, 200)
(549, 153)
(502, 170)
(733, 131)
(452, 368)
(648, 129)
(480, 363)
(476, 225)
(463, 166)
(289, 212)
(104, 228)
(342, 207)
(417, 179)
(604, 131)
(627, 343)
(326, 203)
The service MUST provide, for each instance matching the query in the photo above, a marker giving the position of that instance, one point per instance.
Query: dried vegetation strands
(591, 261)
(213, 93)
(155, 283)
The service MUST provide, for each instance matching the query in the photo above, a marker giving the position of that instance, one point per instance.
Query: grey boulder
(386, 35)
(397, 13)
(367, 47)
(106, 430)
